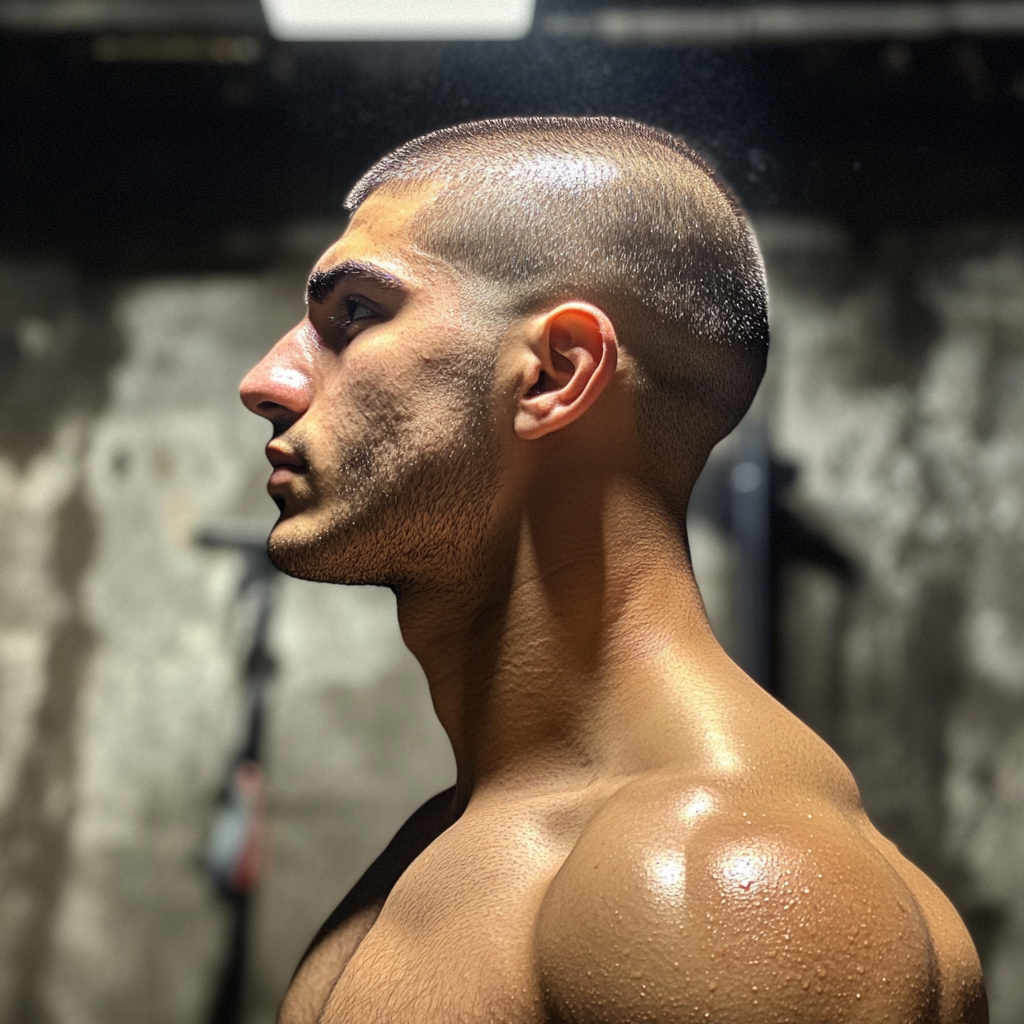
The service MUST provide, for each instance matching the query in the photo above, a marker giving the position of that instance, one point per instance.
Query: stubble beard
(407, 507)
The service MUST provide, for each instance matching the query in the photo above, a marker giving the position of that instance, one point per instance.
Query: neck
(542, 670)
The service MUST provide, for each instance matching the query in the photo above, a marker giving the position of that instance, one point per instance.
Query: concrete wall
(894, 391)
(120, 701)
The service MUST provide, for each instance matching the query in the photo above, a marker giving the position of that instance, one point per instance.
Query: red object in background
(236, 851)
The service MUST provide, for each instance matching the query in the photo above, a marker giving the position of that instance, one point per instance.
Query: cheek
(400, 385)
(358, 401)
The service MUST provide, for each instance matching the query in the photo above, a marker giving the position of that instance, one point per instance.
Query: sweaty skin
(638, 831)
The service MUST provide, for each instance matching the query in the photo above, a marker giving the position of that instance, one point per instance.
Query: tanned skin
(638, 831)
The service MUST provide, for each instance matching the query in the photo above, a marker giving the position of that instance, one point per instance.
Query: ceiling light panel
(338, 20)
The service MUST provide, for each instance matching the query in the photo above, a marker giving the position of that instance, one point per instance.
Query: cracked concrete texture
(120, 703)
(894, 389)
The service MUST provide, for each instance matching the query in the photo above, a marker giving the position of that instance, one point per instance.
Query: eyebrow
(323, 282)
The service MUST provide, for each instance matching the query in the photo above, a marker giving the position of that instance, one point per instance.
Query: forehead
(380, 232)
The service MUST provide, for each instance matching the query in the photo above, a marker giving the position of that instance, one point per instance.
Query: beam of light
(338, 20)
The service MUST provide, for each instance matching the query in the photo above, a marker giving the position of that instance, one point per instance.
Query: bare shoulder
(340, 935)
(684, 901)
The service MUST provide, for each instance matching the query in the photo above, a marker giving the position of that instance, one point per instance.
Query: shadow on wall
(56, 352)
(34, 828)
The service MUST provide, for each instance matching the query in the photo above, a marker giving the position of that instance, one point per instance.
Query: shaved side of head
(619, 214)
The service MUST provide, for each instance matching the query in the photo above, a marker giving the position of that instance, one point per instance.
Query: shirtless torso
(685, 890)
(638, 832)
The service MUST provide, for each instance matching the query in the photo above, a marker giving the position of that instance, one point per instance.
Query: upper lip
(283, 457)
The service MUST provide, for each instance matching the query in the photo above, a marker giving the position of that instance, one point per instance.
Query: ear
(573, 352)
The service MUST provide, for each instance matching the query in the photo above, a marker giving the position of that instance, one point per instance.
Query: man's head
(582, 239)
(619, 214)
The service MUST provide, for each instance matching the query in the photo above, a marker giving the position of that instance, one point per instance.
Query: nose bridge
(282, 378)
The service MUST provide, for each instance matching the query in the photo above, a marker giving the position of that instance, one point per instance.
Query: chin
(303, 547)
(295, 547)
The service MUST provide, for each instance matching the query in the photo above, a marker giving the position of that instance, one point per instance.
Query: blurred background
(169, 171)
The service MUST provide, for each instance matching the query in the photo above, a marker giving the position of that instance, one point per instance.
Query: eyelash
(350, 307)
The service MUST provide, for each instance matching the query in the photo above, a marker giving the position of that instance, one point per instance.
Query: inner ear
(544, 383)
(564, 370)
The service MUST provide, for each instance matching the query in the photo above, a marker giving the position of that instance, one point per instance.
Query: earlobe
(574, 353)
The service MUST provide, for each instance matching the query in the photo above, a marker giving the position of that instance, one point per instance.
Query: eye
(358, 311)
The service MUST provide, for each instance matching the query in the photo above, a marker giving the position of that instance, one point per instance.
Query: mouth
(287, 466)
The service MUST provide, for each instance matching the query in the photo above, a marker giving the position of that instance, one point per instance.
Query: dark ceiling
(151, 145)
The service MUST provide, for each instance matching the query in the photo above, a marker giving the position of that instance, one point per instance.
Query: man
(514, 364)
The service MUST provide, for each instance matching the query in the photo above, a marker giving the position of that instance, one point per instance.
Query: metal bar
(131, 15)
(229, 998)
(750, 500)
(664, 26)
(791, 23)
(240, 818)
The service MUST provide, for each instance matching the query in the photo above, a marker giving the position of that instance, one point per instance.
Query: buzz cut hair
(626, 216)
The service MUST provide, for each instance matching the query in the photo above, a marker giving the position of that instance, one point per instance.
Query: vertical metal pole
(235, 849)
(228, 999)
(750, 504)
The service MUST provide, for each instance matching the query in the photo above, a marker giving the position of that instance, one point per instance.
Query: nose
(280, 386)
